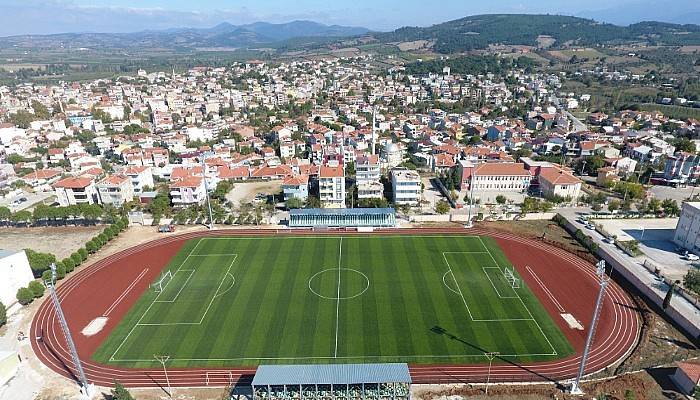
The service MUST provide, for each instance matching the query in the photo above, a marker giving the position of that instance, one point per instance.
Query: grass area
(677, 112)
(246, 301)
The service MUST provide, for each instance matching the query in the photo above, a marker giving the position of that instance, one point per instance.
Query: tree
(313, 202)
(501, 199)
(654, 206)
(629, 395)
(670, 207)
(295, 202)
(691, 281)
(3, 314)
(120, 392)
(442, 207)
(39, 262)
(613, 205)
(24, 296)
(36, 288)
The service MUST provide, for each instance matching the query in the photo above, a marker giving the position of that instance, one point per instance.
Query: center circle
(325, 284)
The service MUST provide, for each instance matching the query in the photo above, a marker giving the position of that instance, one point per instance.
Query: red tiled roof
(331, 172)
(557, 176)
(188, 182)
(297, 180)
(73, 183)
(691, 369)
(502, 169)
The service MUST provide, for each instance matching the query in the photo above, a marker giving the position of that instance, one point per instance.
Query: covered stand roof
(335, 374)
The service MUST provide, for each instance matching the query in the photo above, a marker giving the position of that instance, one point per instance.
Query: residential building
(331, 187)
(72, 191)
(682, 167)
(296, 186)
(687, 377)
(406, 187)
(688, 227)
(115, 190)
(557, 182)
(367, 177)
(187, 191)
(141, 177)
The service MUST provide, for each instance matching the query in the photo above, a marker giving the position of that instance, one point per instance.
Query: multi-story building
(72, 191)
(141, 177)
(296, 186)
(331, 187)
(367, 177)
(188, 190)
(557, 182)
(688, 227)
(115, 190)
(406, 186)
(682, 167)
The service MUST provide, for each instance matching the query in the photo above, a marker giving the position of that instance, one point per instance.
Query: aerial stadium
(453, 305)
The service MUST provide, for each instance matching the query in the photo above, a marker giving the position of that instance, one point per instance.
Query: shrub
(37, 289)
(60, 271)
(46, 275)
(69, 264)
(442, 207)
(77, 259)
(120, 392)
(83, 254)
(39, 262)
(24, 296)
(91, 246)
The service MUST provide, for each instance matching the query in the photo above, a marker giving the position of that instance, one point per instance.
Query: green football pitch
(244, 301)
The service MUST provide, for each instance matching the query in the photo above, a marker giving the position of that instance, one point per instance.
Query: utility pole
(490, 356)
(575, 388)
(86, 389)
(163, 360)
(206, 187)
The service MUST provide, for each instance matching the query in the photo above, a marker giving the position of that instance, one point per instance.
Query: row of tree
(44, 215)
(41, 262)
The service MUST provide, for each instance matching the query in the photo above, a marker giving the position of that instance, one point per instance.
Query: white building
(367, 177)
(15, 273)
(557, 182)
(331, 187)
(406, 186)
(686, 235)
(189, 190)
(115, 190)
(141, 177)
(72, 191)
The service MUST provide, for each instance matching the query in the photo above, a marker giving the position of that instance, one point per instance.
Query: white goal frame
(511, 278)
(161, 283)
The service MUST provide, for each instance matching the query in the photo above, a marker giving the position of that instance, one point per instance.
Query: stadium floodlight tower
(205, 155)
(575, 388)
(86, 389)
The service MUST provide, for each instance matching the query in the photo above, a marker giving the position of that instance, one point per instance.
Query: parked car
(166, 228)
(690, 256)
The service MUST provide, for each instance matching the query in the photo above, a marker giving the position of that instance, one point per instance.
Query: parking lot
(25, 200)
(656, 241)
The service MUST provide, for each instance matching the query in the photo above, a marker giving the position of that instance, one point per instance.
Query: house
(141, 178)
(42, 177)
(496, 132)
(331, 187)
(115, 190)
(406, 187)
(557, 182)
(296, 186)
(501, 177)
(682, 167)
(187, 191)
(606, 175)
(72, 191)
(687, 376)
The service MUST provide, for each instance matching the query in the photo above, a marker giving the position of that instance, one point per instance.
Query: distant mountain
(221, 35)
(479, 31)
(673, 11)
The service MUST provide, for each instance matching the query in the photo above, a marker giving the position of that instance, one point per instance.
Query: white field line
(554, 351)
(124, 293)
(337, 304)
(546, 290)
(182, 287)
(492, 283)
(449, 267)
(150, 305)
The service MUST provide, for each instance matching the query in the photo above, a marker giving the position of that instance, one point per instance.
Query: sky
(58, 16)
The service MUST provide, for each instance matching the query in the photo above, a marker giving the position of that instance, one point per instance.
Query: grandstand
(342, 218)
(332, 381)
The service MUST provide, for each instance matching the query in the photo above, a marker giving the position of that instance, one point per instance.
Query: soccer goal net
(162, 282)
(511, 278)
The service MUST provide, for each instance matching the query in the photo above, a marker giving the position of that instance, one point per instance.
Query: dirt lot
(59, 241)
(246, 191)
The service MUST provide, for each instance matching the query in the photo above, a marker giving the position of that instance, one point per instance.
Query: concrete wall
(15, 273)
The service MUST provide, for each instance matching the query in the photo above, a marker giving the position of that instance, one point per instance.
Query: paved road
(32, 200)
(578, 125)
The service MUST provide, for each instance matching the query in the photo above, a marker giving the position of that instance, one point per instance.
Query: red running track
(114, 284)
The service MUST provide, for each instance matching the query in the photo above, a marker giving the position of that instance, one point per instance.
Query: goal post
(162, 282)
(513, 281)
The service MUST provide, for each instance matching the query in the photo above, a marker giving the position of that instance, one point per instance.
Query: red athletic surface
(570, 280)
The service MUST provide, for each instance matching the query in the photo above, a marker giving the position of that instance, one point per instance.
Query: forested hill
(479, 31)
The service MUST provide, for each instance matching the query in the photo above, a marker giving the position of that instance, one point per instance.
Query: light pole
(163, 360)
(583, 168)
(641, 238)
(490, 356)
(472, 182)
(575, 388)
(206, 186)
(86, 389)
